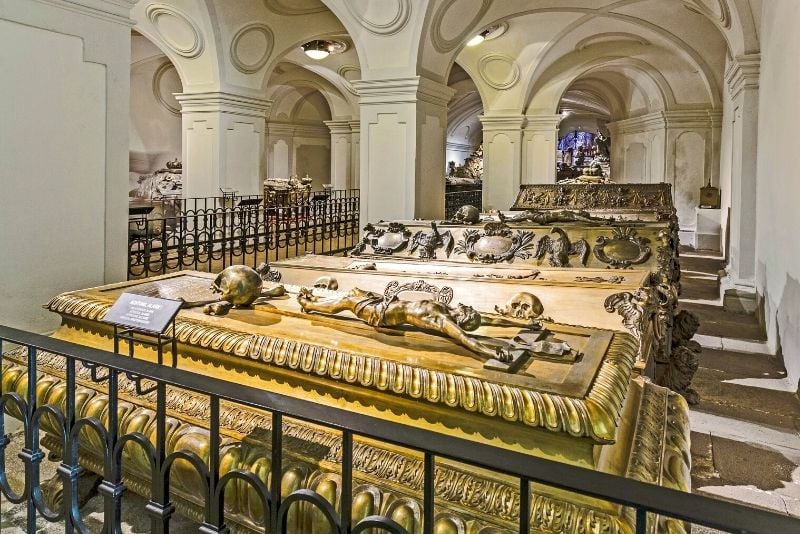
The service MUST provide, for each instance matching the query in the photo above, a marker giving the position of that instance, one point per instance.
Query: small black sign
(143, 313)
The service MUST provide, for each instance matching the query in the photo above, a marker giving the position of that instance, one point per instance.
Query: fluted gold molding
(659, 454)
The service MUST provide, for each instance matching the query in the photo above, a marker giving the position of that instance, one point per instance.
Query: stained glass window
(576, 139)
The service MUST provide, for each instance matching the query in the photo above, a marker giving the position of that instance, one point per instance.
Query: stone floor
(746, 428)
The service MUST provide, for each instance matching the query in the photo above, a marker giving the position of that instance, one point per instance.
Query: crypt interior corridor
(693, 93)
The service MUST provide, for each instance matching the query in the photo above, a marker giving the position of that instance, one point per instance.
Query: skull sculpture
(239, 285)
(522, 306)
(467, 214)
(326, 282)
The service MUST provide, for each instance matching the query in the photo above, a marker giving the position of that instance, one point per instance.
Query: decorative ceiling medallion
(499, 71)
(242, 45)
(176, 29)
(167, 100)
(440, 42)
(348, 74)
(295, 7)
(397, 14)
(718, 11)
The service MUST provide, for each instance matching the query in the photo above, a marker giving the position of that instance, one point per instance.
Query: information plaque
(140, 312)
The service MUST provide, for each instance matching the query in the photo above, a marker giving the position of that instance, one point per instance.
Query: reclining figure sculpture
(427, 315)
(546, 217)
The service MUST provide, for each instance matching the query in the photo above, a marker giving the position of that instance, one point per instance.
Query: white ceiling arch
(291, 77)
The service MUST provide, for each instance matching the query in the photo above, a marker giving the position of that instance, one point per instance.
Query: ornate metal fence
(75, 419)
(457, 196)
(211, 234)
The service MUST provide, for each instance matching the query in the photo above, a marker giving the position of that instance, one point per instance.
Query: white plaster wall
(314, 160)
(689, 173)
(778, 253)
(430, 187)
(279, 167)
(387, 195)
(635, 164)
(54, 137)
(155, 130)
(242, 140)
(725, 170)
(457, 154)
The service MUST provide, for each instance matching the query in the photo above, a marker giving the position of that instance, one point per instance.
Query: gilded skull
(522, 306)
(467, 214)
(238, 284)
(326, 282)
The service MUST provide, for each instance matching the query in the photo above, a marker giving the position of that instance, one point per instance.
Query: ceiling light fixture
(478, 39)
(322, 48)
(495, 30)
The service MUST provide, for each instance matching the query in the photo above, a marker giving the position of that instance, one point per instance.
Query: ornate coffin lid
(571, 296)
(582, 399)
(606, 198)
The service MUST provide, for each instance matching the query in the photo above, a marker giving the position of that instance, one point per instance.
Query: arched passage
(155, 122)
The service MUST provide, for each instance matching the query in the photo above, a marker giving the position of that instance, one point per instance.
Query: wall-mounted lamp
(322, 48)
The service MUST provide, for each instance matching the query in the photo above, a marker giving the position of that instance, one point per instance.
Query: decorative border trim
(250, 68)
(595, 416)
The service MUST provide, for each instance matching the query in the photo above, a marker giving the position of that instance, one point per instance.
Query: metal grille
(66, 422)
(457, 196)
(211, 234)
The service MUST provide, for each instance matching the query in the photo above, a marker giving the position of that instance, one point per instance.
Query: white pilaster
(540, 141)
(404, 124)
(743, 82)
(355, 154)
(341, 153)
(223, 139)
(502, 159)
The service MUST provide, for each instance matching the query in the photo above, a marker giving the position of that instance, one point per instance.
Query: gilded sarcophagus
(551, 389)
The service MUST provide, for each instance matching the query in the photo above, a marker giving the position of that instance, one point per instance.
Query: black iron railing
(215, 233)
(457, 196)
(71, 429)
